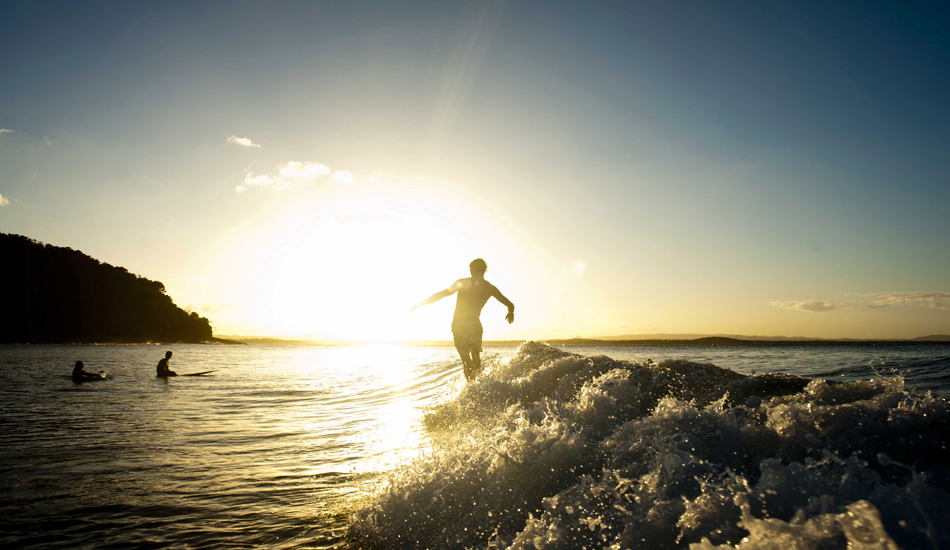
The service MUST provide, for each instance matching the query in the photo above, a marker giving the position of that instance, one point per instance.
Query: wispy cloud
(877, 300)
(342, 176)
(243, 141)
(939, 300)
(5, 131)
(4, 201)
(812, 306)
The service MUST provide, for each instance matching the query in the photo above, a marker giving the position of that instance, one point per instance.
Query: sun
(354, 277)
(349, 266)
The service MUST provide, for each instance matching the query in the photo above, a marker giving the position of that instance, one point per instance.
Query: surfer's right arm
(437, 296)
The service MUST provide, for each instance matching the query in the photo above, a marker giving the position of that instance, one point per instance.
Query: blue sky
(631, 167)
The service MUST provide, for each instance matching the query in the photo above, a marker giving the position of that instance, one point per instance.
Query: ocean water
(387, 447)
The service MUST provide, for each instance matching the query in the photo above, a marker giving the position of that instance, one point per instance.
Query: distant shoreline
(593, 342)
(719, 341)
(713, 341)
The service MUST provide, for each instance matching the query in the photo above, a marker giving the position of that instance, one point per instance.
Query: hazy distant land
(756, 341)
(676, 337)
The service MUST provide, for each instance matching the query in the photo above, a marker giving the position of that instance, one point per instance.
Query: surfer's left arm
(511, 307)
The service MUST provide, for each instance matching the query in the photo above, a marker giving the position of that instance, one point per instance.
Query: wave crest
(550, 449)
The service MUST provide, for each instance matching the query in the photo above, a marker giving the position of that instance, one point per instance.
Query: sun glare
(349, 280)
(347, 264)
(351, 271)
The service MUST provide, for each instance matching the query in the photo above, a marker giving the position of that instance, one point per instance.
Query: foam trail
(553, 450)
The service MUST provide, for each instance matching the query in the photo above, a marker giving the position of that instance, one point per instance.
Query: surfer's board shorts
(468, 335)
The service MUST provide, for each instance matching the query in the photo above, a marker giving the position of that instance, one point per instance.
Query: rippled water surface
(278, 447)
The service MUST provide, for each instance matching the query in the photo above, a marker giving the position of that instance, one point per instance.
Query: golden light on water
(398, 436)
(376, 386)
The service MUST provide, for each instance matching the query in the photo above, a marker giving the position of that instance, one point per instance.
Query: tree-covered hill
(53, 294)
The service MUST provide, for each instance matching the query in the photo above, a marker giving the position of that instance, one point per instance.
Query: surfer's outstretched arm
(435, 297)
(511, 307)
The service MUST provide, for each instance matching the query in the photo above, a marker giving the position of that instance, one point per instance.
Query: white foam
(555, 450)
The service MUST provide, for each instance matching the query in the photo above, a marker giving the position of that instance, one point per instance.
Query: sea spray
(555, 450)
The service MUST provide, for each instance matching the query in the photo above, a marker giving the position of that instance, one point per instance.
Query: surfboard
(198, 373)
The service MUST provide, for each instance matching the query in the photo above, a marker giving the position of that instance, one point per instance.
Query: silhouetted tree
(55, 294)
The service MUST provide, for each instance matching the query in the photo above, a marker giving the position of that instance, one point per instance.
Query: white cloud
(5, 131)
(939, 300)
(811, 306)
(300, 172)
(293, 173)
(4, 201)
(261, 180)
(342, 176)
(243, 141)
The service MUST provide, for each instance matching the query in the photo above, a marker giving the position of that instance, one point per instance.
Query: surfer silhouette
(79, 374)
(473, 293)
(163, 370)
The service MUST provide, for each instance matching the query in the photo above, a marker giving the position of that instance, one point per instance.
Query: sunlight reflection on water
(274, 449)
(263, 450)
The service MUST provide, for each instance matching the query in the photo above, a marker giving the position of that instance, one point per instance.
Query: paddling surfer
(163, 370)
(473, 293)
(79, 374)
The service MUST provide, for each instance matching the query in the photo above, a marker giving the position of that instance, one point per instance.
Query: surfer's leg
(463, 350)
(476, 349)
(469, 370)
(468, 342)
(462, 346)
(471, 362)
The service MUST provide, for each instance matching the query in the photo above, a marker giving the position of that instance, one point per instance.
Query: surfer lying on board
(163, 370)
(79, 374)
(474, 292)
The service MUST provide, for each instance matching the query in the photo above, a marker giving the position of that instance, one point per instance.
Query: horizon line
(608, 340)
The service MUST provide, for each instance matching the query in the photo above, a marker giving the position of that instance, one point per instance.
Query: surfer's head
(168, 355)
(478, 267)
(79, 364)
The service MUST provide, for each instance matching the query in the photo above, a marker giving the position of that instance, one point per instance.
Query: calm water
(283, 444)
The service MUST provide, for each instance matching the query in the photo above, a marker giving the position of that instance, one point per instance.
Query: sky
(312, 169)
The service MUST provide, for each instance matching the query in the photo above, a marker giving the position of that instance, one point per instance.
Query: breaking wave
(553, 450)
